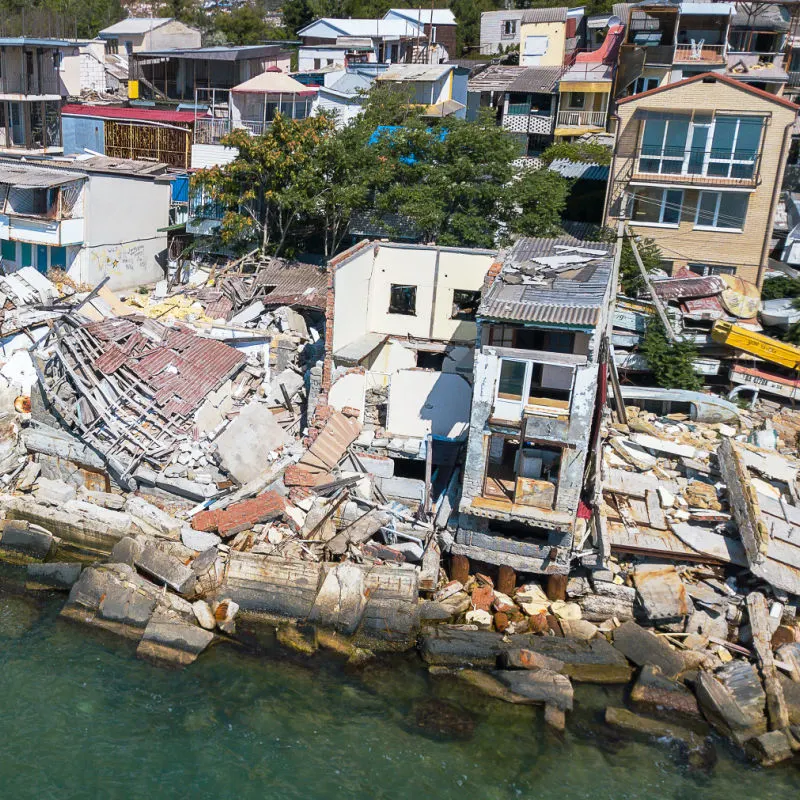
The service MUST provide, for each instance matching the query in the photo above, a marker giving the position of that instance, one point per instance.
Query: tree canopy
(672, 363)
(452, 181)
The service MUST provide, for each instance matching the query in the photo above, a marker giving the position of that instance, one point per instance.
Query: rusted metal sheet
(703, 308)
(687, 288)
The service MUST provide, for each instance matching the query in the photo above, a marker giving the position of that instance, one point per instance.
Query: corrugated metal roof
(525, 291)
(133, 26)
(296, 283)
(556, 14)
(579, 169)
(34, 177)
(536, 79)
(495, 78)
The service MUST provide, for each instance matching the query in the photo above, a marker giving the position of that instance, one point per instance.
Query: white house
(499, 30)
(136, 34)
(383, 40)
(91, 217)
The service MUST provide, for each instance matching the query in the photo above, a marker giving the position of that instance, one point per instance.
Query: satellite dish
(614, 20)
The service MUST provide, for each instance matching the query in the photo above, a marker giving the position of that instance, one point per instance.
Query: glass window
(403, 299)
(9, 250)
(722, 210)
(657, 206)
(664, 145)
(512, 380)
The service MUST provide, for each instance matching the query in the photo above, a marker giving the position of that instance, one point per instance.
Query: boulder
(126, 550)
(538, 686)
(54, 493)
(169, 639)
(623, 720)
(770, 748)
(733, 700)
(643, 647)
(341, 600)
(521, 658)
(656, 694)
(204, 615)
(151, 519)
(165, 569)
(22, 542)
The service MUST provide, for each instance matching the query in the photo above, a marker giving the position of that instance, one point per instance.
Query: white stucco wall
(119, 243)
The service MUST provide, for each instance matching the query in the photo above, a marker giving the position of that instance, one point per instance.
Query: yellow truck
(756, 344)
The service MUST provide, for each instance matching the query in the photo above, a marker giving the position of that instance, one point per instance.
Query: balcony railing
(661, 54)
(46, 82)
(700, 54)
(717, 168)
(581, 119)
(794, 79)
(211, 131)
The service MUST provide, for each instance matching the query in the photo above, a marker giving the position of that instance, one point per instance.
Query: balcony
(42, 81)
(211, 131)
(521, 119)
(699, 54)
(38, 230)
(687, 167)
(794, 80)
(581, 119)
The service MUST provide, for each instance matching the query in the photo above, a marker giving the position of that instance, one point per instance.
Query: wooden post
(671, 335)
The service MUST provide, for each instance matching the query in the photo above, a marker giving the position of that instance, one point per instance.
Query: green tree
(245, 25)
(672, 363)
(265, 188)
(782, 286)
(541, 196)
(452, 181)
(587, 152)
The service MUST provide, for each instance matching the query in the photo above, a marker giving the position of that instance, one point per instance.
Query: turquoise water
(81, 717)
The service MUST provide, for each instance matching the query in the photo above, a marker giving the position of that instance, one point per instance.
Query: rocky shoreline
(679, 686)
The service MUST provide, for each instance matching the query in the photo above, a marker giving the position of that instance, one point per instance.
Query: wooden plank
(654, 511)
(758, 614)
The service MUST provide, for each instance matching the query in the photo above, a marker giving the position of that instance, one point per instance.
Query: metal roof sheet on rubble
(560, 281)
(295, 283)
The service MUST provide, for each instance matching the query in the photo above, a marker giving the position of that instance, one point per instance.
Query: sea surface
(82, 717)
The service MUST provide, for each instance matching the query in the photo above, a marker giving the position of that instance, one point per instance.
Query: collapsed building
(538, 385)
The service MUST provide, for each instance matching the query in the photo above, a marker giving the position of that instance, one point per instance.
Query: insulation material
(423, 402)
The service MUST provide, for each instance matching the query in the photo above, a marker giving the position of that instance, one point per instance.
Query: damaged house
(399, 349)
(536, 387)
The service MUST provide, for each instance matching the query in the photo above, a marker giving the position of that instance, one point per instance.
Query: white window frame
(662, 209)
(707, 152)
(715, 226)
(647, 83)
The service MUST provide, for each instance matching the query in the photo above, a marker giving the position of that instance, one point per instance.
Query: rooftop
(134, 25)
(220, 53)
(438, 16)
(31, 176)
(536, 79)
(124, 112)
(579, 169)
(556, 14)
(23, 41)
(415, 72)
(560, 281)
(495, 78)
(366, 27)
(273, 81)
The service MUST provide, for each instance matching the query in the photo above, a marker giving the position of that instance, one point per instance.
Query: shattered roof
(561, 281)
(296, 284)
(495, 78)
